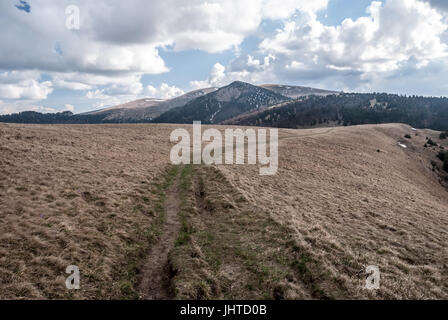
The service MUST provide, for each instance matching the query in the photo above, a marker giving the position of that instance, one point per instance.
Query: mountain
(137, 104)
(295, 92)
(351, 109)
(247, 105)
(147, 109)
(222, 104)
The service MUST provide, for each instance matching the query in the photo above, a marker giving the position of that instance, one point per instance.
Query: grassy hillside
(351, 109)
(102, 197)
(77, 195)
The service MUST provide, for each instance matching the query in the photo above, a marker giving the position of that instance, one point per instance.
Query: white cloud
(244, 68)
(396, 36)
(102, 99)
(19, 106)
(69, 107)
(164, 91)
(216, 79)
(40, 40)
(110, 85)
(392, 34)
(124, 37)
(77, 86)
(23, 85)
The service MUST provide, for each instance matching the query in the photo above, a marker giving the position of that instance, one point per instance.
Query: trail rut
(156, 276)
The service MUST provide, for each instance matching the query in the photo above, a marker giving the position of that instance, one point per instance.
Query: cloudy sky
(124, 50)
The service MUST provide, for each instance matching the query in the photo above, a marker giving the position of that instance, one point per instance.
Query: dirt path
(155, 283)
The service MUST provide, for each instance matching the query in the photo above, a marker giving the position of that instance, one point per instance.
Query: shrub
(408, 136)
(434, 165)
(443, 135)
(431, 143)
(443, 155)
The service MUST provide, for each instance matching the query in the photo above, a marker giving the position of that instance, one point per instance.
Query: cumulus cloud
(101, 99)
(23, 85)
(56, 48)
(76, 86)
(216, 79)
(19, 106)
(212, 26)
(164, 91)
(29, 89)
(244, 68)
(394, 36)
(123, 37)
(69, 107)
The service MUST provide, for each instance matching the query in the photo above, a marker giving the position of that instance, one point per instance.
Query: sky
(81, 55)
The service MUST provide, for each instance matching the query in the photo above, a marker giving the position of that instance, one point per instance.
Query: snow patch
(402, 145)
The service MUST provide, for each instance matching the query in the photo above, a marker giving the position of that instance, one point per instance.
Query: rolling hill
(105, 197)
(350, 109)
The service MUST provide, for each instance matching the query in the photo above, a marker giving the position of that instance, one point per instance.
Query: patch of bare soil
(156, 273)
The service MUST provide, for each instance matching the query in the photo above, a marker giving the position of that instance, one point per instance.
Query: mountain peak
(224, 103)
(238, 83)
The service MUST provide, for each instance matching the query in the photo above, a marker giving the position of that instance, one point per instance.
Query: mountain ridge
(295, 92)
(222, 104)
(147, 109)
(244, 104)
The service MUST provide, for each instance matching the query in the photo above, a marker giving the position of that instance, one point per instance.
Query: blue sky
(122, 51)
(24, 6)
(339, 10)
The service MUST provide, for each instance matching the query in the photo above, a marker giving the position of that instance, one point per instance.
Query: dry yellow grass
(76, 195)
(352, 206)
(86, 195)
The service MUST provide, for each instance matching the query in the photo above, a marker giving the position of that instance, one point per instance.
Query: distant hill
(145, 110)
(223, 104)
(241, 103)
(136, 104)
(297, 91)
(66, 117)
(351, 109)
